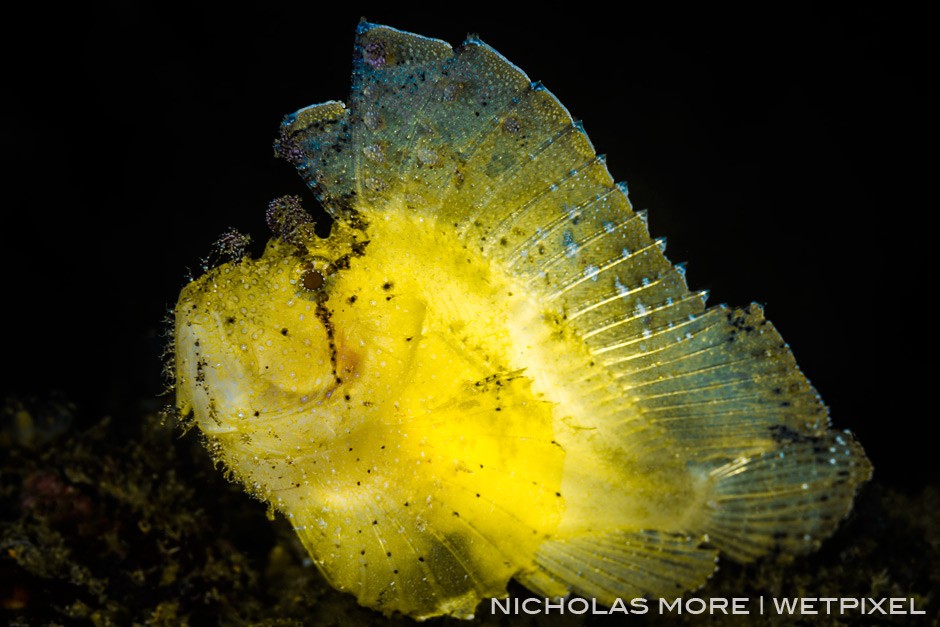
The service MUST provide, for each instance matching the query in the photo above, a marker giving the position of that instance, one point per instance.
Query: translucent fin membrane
(624, 564)
(789, 499)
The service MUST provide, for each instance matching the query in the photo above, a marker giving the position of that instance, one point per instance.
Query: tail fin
(791, 498)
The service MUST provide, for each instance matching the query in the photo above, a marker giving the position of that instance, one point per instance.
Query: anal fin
(621, 564)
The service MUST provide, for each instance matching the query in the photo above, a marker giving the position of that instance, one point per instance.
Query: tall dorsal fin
(464, 139)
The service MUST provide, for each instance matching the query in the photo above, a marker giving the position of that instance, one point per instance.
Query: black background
(783, 153)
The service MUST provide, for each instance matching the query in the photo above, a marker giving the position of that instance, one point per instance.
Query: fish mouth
(205, 385)
(235, 367)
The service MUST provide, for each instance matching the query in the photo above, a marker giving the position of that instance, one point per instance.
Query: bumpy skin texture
(489, 369)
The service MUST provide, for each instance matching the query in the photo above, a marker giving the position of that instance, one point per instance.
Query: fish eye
(312, 280)
(311, 275)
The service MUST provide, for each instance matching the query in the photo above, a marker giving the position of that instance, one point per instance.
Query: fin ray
(791, 498)
(626, 564)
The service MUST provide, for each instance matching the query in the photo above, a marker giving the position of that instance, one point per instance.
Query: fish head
(256, 339)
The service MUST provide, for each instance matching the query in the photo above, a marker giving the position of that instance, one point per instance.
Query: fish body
(489, 369)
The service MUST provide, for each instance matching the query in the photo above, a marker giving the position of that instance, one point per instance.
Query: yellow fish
(489, 369)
